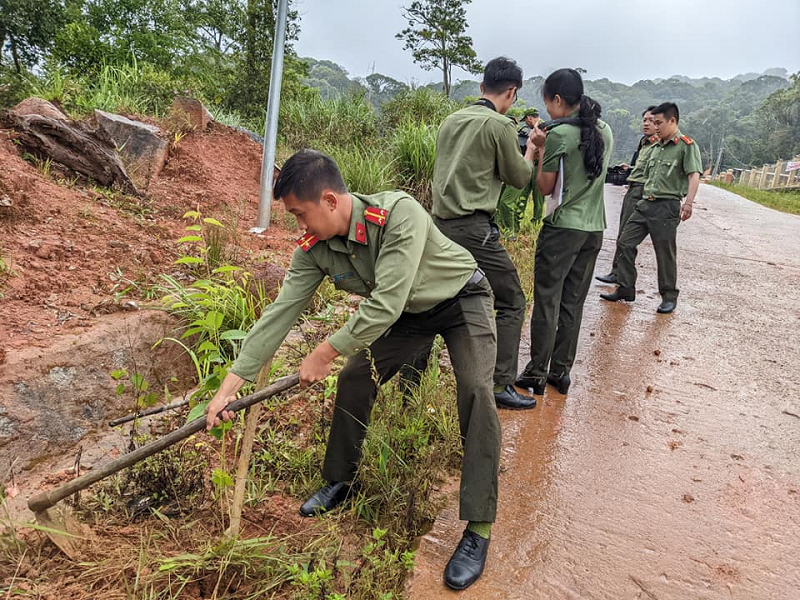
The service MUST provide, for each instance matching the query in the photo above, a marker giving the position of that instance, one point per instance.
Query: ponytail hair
(568, 84)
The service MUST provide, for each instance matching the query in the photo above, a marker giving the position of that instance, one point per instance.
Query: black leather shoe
(666, 306)
(466, 565)
(620, 293)
(560, 382)
(330, 496)
(511, 398)
(610, 278)
(531, 383)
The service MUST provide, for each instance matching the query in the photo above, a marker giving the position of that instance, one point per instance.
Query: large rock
(143, 151)
(38, 106)
(190, 112)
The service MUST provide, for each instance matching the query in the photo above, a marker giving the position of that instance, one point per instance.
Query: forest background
(136, 55)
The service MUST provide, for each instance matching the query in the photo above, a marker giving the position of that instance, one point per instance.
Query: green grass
(787, 201)
(365, 170)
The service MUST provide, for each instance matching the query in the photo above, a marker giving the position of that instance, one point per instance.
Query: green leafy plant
(138, 386)
(207, 240)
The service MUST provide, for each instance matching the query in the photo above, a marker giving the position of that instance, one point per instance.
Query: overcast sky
(625, 41)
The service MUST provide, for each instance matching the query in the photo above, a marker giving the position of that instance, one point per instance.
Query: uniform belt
(635, 184)
(477, 215)
(476, 277)
(652, 198)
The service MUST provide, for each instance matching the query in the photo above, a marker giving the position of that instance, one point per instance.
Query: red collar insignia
(307, 242)
(376, 215)
(361, 233)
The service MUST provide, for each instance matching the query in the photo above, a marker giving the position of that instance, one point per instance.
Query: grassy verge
(784, 201)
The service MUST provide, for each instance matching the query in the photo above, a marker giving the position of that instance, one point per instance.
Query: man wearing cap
(673, 172)
(415, 284)
(476, 152)
(636, 181)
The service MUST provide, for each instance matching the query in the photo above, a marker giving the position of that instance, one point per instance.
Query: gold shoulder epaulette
(307, 242)
(376, 215)
(687, 140)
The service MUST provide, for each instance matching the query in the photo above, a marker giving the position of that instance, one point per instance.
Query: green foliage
(138, 386)
(415, 152)
(27, 30)
(364, 170)
(128, 87)
(111, 32)
(312, 122)
(417, 106)
(330, 79)
(436, 37)
(382, 88)
(14, 87)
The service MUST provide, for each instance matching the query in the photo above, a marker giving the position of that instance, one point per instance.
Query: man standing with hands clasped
(673, 172)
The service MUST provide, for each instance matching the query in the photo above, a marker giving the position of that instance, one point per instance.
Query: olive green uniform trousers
(565, 260)
(629, 202)
(466, 322)
(658, 218)
(479, 234)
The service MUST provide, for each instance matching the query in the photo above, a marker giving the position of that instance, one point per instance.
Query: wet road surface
(671, 470)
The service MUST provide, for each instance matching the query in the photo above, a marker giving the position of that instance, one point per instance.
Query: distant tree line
(755, 117)
(221, 50)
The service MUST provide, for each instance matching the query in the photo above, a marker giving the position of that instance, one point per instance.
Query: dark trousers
(629, 202)
(659, 219)
(478, 234)
(466, 323)
(565, 260)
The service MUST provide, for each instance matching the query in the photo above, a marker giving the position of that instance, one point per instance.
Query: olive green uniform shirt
(670, 162)
(406, 264)
(639, 172)
(476, 152)
(582, 206)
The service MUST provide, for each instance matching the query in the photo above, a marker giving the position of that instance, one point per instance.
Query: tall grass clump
(364, 169)
(126, 87)
(415, 153)
(141, 89)
(417, 106)
(311, 122)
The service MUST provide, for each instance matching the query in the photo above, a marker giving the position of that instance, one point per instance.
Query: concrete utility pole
(271, 126)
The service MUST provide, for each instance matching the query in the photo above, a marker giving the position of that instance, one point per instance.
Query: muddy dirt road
(688, 491)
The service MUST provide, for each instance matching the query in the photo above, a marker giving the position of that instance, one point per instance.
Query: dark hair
(669, 110)
(306, 174)
(500, 74)
(649, 109)
(568, 84)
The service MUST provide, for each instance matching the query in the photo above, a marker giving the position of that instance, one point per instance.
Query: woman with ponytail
(574, 147)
